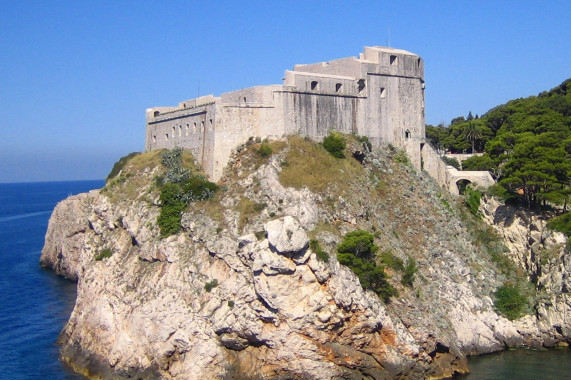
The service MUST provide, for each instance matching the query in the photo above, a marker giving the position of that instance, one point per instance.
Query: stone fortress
(379, 94)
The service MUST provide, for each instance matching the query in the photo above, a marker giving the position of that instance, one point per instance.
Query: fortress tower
(380, 95)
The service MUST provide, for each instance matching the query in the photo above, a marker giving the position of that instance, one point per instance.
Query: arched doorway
(461, 184)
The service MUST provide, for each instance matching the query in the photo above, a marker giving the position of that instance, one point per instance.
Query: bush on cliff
(335, 145)
(179, 187)
(562, 223)
(510, 301)
(356, 251)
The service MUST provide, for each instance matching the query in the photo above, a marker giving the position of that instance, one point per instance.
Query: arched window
(361, 85)
(156, 113)
(407, 134)
(167, 136)
(194, 129)
(154, 138)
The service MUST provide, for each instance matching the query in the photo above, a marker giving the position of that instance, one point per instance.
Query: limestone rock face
(227, 298)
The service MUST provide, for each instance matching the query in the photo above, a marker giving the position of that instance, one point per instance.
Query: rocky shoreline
(235, 297)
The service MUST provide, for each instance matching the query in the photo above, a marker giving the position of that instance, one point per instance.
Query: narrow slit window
(383, 92)
(407, 134)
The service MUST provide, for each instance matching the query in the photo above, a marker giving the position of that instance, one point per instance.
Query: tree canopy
(526, 144)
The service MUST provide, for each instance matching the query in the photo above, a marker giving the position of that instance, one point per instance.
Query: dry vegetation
(308, 164)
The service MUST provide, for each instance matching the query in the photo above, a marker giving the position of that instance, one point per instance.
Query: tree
(472, 133)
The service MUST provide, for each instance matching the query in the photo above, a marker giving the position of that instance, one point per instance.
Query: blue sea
(35, 303)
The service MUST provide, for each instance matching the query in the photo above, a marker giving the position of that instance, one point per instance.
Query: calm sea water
(35, 303)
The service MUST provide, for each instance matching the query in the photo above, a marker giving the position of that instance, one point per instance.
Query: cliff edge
(252, 288)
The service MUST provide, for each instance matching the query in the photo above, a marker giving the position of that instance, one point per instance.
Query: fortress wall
(379, 95)
(191, 128)
(393, 62)
(252, 95)
(314, 115)
(239, 123)
(344, 66)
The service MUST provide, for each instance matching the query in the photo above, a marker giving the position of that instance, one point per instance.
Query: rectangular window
(394, 60)
(383, 92)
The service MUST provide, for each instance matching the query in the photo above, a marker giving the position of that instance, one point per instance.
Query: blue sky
(77, 76)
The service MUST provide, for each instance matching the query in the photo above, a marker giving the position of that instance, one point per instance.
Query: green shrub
(472, 200)
(178, 190)
(172, 160)
(265, 150)
(319, 252)
(561, 223)
(356, 251)
(197, 188)
(210, 285)
(390, 260)
(169, 219)
(103, 254)
(335, 145)
(409, 272)
(359, 243)
(401, 157)
(510, 301)
(119, 165)
(370, 276)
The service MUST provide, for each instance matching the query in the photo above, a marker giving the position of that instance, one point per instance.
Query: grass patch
(310, 165)
(247, 209)
(562, 223)
(119, 165)
(264, 150)
(319, 252)
(391, 261)
(103, 254)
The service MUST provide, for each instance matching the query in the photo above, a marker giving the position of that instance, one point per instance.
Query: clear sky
(77, 76)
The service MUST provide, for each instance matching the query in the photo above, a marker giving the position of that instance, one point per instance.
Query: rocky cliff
(239, 293)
